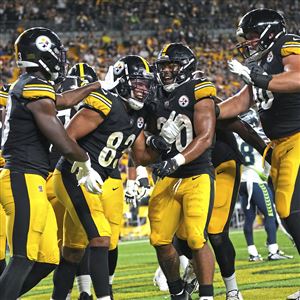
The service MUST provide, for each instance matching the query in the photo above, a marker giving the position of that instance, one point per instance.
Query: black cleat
(85, 296)
(183, 296)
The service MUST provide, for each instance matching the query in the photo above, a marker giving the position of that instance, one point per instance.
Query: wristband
(180, 159)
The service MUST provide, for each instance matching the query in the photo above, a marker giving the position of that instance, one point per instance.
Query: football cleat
(234, 295)
(184, 295)
(190, 279)
(85, 296)
(253, 258)
(279, 255)
(295, 296)
(160, 280)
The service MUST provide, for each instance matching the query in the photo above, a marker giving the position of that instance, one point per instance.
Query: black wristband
(260, 80)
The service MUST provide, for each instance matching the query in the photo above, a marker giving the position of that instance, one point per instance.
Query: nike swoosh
(220, 172)
(196, 177)
(115, 188)
(295, 39)
(288, 150)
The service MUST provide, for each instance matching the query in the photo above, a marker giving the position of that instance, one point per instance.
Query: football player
(256, 193)
(29, 123)
(271, 73)
(3, 100)
(185, 189)
(105, 126)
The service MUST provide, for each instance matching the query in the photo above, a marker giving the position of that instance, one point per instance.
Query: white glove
(142, 183)
(131, 192)
(237, 68)
(87, 176)
(109, 83)
(172, 127)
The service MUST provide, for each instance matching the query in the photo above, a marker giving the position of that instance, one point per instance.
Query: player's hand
(158, 143)
(237, 68)
(131, 192)
(165, 168)
(108, 83)
(171, 129)
(87, 176)
(142, 183)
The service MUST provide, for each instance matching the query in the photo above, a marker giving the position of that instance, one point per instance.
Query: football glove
(165, 168)
(171, 129)
(131, 192)
(142, 183)
(251, 73)
(108, 83)
(158, 143)
(87, 176)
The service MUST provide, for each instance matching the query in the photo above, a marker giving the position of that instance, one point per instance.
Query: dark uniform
(190, 189)
(280, 117)
(30, 219)
(3, 100)
(86, 218)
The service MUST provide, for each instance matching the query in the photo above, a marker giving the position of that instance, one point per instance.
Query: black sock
(175, 287)
(206, 290)
(63, 279)
(2, 265)
(37, 273)
(99, 270)
(83, 268)
(112, 260)
(224, 252)
(13, 277)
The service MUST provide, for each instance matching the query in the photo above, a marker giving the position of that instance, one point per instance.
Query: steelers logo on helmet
(183, 101)
(119, 67)
(43, 43)
(140, 122)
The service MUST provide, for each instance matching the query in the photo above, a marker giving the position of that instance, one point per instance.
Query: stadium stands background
(101, 31)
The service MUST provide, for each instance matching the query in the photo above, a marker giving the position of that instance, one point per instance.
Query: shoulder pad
(291, 45)
(204, 88)
(37, 88)
(100, 101)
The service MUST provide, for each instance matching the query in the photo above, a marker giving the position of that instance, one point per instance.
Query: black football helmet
(41, 48)
(84, 71)
(135, 80)
(180, 62)
(268, 24)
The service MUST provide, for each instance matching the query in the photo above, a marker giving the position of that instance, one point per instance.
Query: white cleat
(160, 280)
(295, 296)
(234, 295)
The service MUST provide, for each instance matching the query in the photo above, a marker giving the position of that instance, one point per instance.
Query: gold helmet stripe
(81, 70)
(163, 53)
(145, 64)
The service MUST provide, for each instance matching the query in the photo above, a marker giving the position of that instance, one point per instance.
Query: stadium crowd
(135, 27)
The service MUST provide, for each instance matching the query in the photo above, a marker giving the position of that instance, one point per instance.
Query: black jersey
(226, 148)
(182, 100)
(25, 148)
(279, 112)
(119, 130)
(3, 100)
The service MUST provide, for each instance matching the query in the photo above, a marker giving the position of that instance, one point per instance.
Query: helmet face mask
(136, 80)
(175, 65)
(41, 49)
(257, 32)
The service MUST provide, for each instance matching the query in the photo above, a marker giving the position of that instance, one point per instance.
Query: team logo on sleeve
(183, 101)
(140, 122)
(43, 43)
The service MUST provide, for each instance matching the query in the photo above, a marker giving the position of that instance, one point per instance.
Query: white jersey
(253, 165)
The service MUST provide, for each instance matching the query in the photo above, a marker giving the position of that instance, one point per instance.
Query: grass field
(257, 281)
